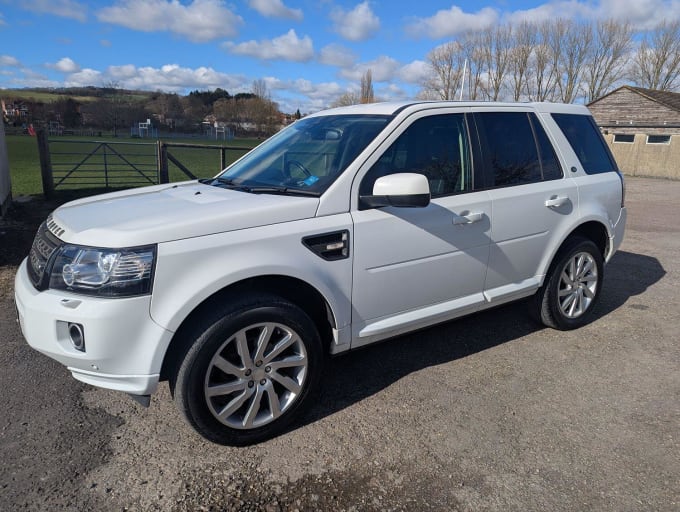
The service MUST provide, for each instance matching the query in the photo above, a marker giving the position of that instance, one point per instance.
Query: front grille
(44, 245)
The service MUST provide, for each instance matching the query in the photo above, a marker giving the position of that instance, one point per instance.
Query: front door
(417, 266)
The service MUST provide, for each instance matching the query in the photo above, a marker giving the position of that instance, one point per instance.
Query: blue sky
(309, 52)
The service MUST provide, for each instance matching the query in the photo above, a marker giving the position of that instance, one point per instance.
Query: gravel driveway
(490, 412)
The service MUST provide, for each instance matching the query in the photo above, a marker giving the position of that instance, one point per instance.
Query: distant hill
(80, 94)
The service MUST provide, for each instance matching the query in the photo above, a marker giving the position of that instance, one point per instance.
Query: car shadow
(358, 375)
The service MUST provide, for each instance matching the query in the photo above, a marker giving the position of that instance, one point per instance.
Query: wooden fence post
(163, 173)
(45, 163)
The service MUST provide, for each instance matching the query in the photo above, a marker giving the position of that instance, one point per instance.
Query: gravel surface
(489, 413)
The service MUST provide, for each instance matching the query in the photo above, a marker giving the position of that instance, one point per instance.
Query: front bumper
(124, 347)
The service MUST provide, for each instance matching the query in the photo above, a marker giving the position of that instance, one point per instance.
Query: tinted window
(624, 137)
(586, 141)
(550, 166)
(658, 139)
(509, 147)
(435, 146)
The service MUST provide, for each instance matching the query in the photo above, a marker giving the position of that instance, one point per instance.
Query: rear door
(533, 202)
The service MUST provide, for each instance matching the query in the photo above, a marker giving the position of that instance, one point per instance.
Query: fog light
(77, 336)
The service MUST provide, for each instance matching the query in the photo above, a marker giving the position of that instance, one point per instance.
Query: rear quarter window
(587, 142)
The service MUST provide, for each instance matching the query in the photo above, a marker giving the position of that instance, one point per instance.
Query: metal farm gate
(90, 164)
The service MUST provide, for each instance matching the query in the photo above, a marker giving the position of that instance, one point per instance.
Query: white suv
(348, 227)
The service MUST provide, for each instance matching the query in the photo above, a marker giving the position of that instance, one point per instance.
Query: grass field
(24, 161)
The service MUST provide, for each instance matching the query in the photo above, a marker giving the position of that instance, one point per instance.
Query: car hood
(171, 212)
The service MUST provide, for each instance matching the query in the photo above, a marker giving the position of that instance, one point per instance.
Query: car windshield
(304, 158)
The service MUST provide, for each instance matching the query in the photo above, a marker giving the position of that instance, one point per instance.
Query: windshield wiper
(284, 191)
(259, 189)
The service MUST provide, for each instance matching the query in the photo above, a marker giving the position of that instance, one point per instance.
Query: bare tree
(261, 109)
(523, 43)
(575, 43)
(495, 52)
(260, 89)
(542, 70)
(110, 112)
(473, 55)
(446, 70)
(605, 62)
(367, 87)
(347, 99)
(656, 64)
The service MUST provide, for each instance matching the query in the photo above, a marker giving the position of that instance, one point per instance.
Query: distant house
(642, 128)
(14, 110)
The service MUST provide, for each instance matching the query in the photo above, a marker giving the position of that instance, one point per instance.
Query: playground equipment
(55, 128)
(144, 129)
(219, 131)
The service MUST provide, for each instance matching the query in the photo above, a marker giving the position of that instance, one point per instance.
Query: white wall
(5, 185)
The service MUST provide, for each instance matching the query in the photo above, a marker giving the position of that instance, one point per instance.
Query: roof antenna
(462, 82)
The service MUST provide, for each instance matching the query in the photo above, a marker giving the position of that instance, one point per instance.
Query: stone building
(642, 128)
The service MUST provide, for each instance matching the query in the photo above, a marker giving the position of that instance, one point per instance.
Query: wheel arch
(295, 290)
(593, 230)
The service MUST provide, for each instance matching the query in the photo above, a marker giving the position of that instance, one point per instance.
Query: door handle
(555, 201)
(459, 220)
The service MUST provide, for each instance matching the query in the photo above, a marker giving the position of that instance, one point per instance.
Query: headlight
(103, 272)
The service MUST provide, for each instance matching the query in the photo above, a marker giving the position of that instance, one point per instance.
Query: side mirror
(403, 190)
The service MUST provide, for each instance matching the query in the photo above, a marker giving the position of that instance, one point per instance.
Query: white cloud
(65, 65)
(9, 61)
(84, 77)
(336, 55)
(415, 72)
(553, 10)
(358, 24)
(451, 22)
(275, 9)
(126, 72)
(2, 20)
(391, 92)
(383, 69)
(105, 43)
(199, 21)
(170, 77)
(286, 47)
(316, 91)
(63, 8)
(642, 14)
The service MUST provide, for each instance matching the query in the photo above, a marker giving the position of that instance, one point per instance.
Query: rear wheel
(572, 286)
(250, 371)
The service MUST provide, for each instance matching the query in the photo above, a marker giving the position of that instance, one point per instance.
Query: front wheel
(572, 286)
(250, 371)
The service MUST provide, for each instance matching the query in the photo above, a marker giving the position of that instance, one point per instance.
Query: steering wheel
(299, 165)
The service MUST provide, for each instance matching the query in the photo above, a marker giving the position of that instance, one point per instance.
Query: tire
(572, 286)
(251, 370)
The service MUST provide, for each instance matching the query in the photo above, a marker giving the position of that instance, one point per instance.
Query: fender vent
(330, 246)
(54, 228)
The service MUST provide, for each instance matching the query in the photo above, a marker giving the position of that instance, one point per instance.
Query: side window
(550, 165)
(435, 146)
(587, 142)
(509, 148)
